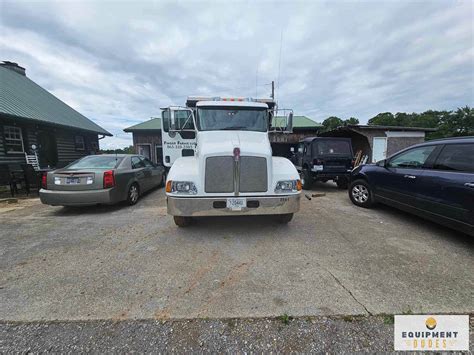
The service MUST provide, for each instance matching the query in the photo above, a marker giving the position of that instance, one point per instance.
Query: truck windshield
(232, 119)
(331, 147)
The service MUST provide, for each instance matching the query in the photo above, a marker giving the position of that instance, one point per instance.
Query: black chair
(32, 178)
(6, 178)
(17, 177)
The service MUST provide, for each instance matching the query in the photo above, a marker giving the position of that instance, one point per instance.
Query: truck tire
(361, 194)
(306, 179)
(181, 221)
(342, 183)
(284, 218)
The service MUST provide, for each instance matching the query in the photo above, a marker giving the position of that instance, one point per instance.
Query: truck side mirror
(289, 126)
(292, 150)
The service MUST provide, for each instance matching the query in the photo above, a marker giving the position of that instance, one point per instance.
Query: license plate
(73, 180)
(318, 168)
(236, 204)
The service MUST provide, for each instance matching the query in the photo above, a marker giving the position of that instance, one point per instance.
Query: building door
(47, 149)
(144, 149)
(379, 150)
(159, 154)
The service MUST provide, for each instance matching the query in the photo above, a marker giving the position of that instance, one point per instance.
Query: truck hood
(223, 143)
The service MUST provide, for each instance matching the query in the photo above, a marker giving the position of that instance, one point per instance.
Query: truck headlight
(288, 186)
(181, 187)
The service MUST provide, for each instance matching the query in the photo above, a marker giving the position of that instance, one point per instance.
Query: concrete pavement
(120, 262)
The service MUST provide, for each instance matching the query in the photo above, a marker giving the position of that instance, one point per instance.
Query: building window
(79, 143)
(95, 146)
(13, 139)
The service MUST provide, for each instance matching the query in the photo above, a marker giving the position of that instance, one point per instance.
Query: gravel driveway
(132, 263)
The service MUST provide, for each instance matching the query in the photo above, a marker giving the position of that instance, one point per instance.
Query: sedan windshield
(96, 162)
(232, 119)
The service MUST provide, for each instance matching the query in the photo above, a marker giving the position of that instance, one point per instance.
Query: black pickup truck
(323, 159)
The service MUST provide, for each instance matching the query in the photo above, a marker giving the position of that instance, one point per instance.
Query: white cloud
(118, 62)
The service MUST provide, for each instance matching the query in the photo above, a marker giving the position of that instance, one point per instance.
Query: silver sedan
(101, 179)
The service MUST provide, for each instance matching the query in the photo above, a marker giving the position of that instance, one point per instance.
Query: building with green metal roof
(299, 122)
(147, 139)
(282, 143)
(31, 118)
(151, 125)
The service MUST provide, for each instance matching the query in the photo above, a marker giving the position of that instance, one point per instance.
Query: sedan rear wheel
(360, 194)
(133, 194)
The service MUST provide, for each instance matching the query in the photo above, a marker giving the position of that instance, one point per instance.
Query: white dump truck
(220, 161)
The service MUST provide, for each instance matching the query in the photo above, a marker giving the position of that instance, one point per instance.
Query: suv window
(331, 147)
(456, 157)
(301, 148)
(137, 163)
(413, 159)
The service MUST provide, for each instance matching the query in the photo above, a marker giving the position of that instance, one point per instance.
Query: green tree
(383, 119)
(331, 123)
(351, 121)
(126, 150)
(447, 123)
(455, 123)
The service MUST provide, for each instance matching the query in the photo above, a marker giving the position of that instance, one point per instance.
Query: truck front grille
(253, 174)
(219, 175)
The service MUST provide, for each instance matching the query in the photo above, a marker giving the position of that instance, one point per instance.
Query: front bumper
(206, 206)
(77, 198)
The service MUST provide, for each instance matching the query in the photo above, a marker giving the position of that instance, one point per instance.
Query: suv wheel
(306, 179)
(360, 193)
(181, 221)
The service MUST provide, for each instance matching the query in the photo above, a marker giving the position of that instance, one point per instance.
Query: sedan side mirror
(382, 163)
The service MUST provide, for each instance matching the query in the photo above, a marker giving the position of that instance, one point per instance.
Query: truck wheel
(306, 179)
(342, 183)
(284, 218)
(181, 221)
(360, 193)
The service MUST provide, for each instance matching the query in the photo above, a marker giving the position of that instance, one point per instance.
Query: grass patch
(388, 319)
(285, 319)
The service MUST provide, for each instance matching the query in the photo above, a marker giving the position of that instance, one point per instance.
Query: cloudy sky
(118, 62)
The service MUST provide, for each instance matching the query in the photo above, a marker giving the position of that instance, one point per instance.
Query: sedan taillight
(109, 179)
(44, 181)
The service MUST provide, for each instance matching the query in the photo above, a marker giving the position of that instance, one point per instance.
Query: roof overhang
(47, 123)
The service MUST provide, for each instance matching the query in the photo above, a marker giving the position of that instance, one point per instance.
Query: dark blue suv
(434, 180)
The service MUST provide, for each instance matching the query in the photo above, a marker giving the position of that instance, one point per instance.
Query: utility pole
(273, 90)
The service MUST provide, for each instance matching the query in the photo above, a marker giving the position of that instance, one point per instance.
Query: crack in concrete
(349, 292)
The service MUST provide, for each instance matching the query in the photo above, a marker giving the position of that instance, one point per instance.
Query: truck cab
(231, 170)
